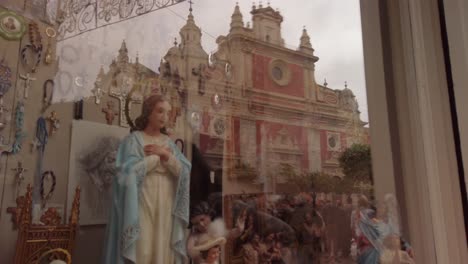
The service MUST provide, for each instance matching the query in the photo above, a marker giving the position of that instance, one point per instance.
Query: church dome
(174, 51)
(347, 92)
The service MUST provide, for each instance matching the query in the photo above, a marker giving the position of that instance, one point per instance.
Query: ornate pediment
(284, 142)
(327, 95)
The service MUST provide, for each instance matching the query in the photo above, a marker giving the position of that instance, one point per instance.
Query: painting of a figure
(92, 166)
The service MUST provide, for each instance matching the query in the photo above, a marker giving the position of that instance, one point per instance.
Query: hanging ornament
(195, 120)
(40, 144)
(78, 110)
(19, 133)
(110, 112)
(5, 117)
(212, 60)
(5, 77)
(54, 122)
(19, 176)
(47, 94)
(45, 197)
(180, 144)
(51, 33)
(216, 102)
(34, 35)
(31, 54)
(228, 71)
(12, 26)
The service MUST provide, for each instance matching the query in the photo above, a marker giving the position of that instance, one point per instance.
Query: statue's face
(160, 115)
(201, 222)
(256, 239)
(270, 237)
(308, 218)
(213, 254)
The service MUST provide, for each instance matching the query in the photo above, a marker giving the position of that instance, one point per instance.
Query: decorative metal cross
(122, 96)
(191, 3)
(27, 83)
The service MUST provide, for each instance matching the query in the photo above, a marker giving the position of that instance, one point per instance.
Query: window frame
(410, 124)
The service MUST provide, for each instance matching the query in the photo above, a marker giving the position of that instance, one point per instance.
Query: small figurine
(19, 176)
(110, 112)
(209, 244)
(54, 122)
(202, 222)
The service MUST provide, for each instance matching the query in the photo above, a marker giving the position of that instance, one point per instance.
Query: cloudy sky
(333, 25)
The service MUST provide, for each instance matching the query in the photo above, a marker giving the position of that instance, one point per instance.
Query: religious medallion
(217, 102)
(212, 60)
(47, 176)
(228, 71)
(79, 81)
(195, 120)
(219, 127)
(12, 26)
(333, 141)
(5, 77)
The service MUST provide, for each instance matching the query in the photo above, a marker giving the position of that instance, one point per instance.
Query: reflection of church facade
(254, 104)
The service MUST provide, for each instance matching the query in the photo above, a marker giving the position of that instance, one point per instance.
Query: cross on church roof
(191, 3)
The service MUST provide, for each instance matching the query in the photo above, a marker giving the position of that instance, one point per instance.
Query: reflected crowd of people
(303, 229)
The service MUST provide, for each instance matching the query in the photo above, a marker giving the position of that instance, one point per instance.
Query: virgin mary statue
(150, 194)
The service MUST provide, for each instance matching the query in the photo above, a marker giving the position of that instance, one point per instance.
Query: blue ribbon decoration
(19, 134)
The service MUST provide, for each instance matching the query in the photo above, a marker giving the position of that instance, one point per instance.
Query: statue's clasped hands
(163, 152)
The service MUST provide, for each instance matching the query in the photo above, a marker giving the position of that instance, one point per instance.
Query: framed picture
(92, 166)
(12, 26)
